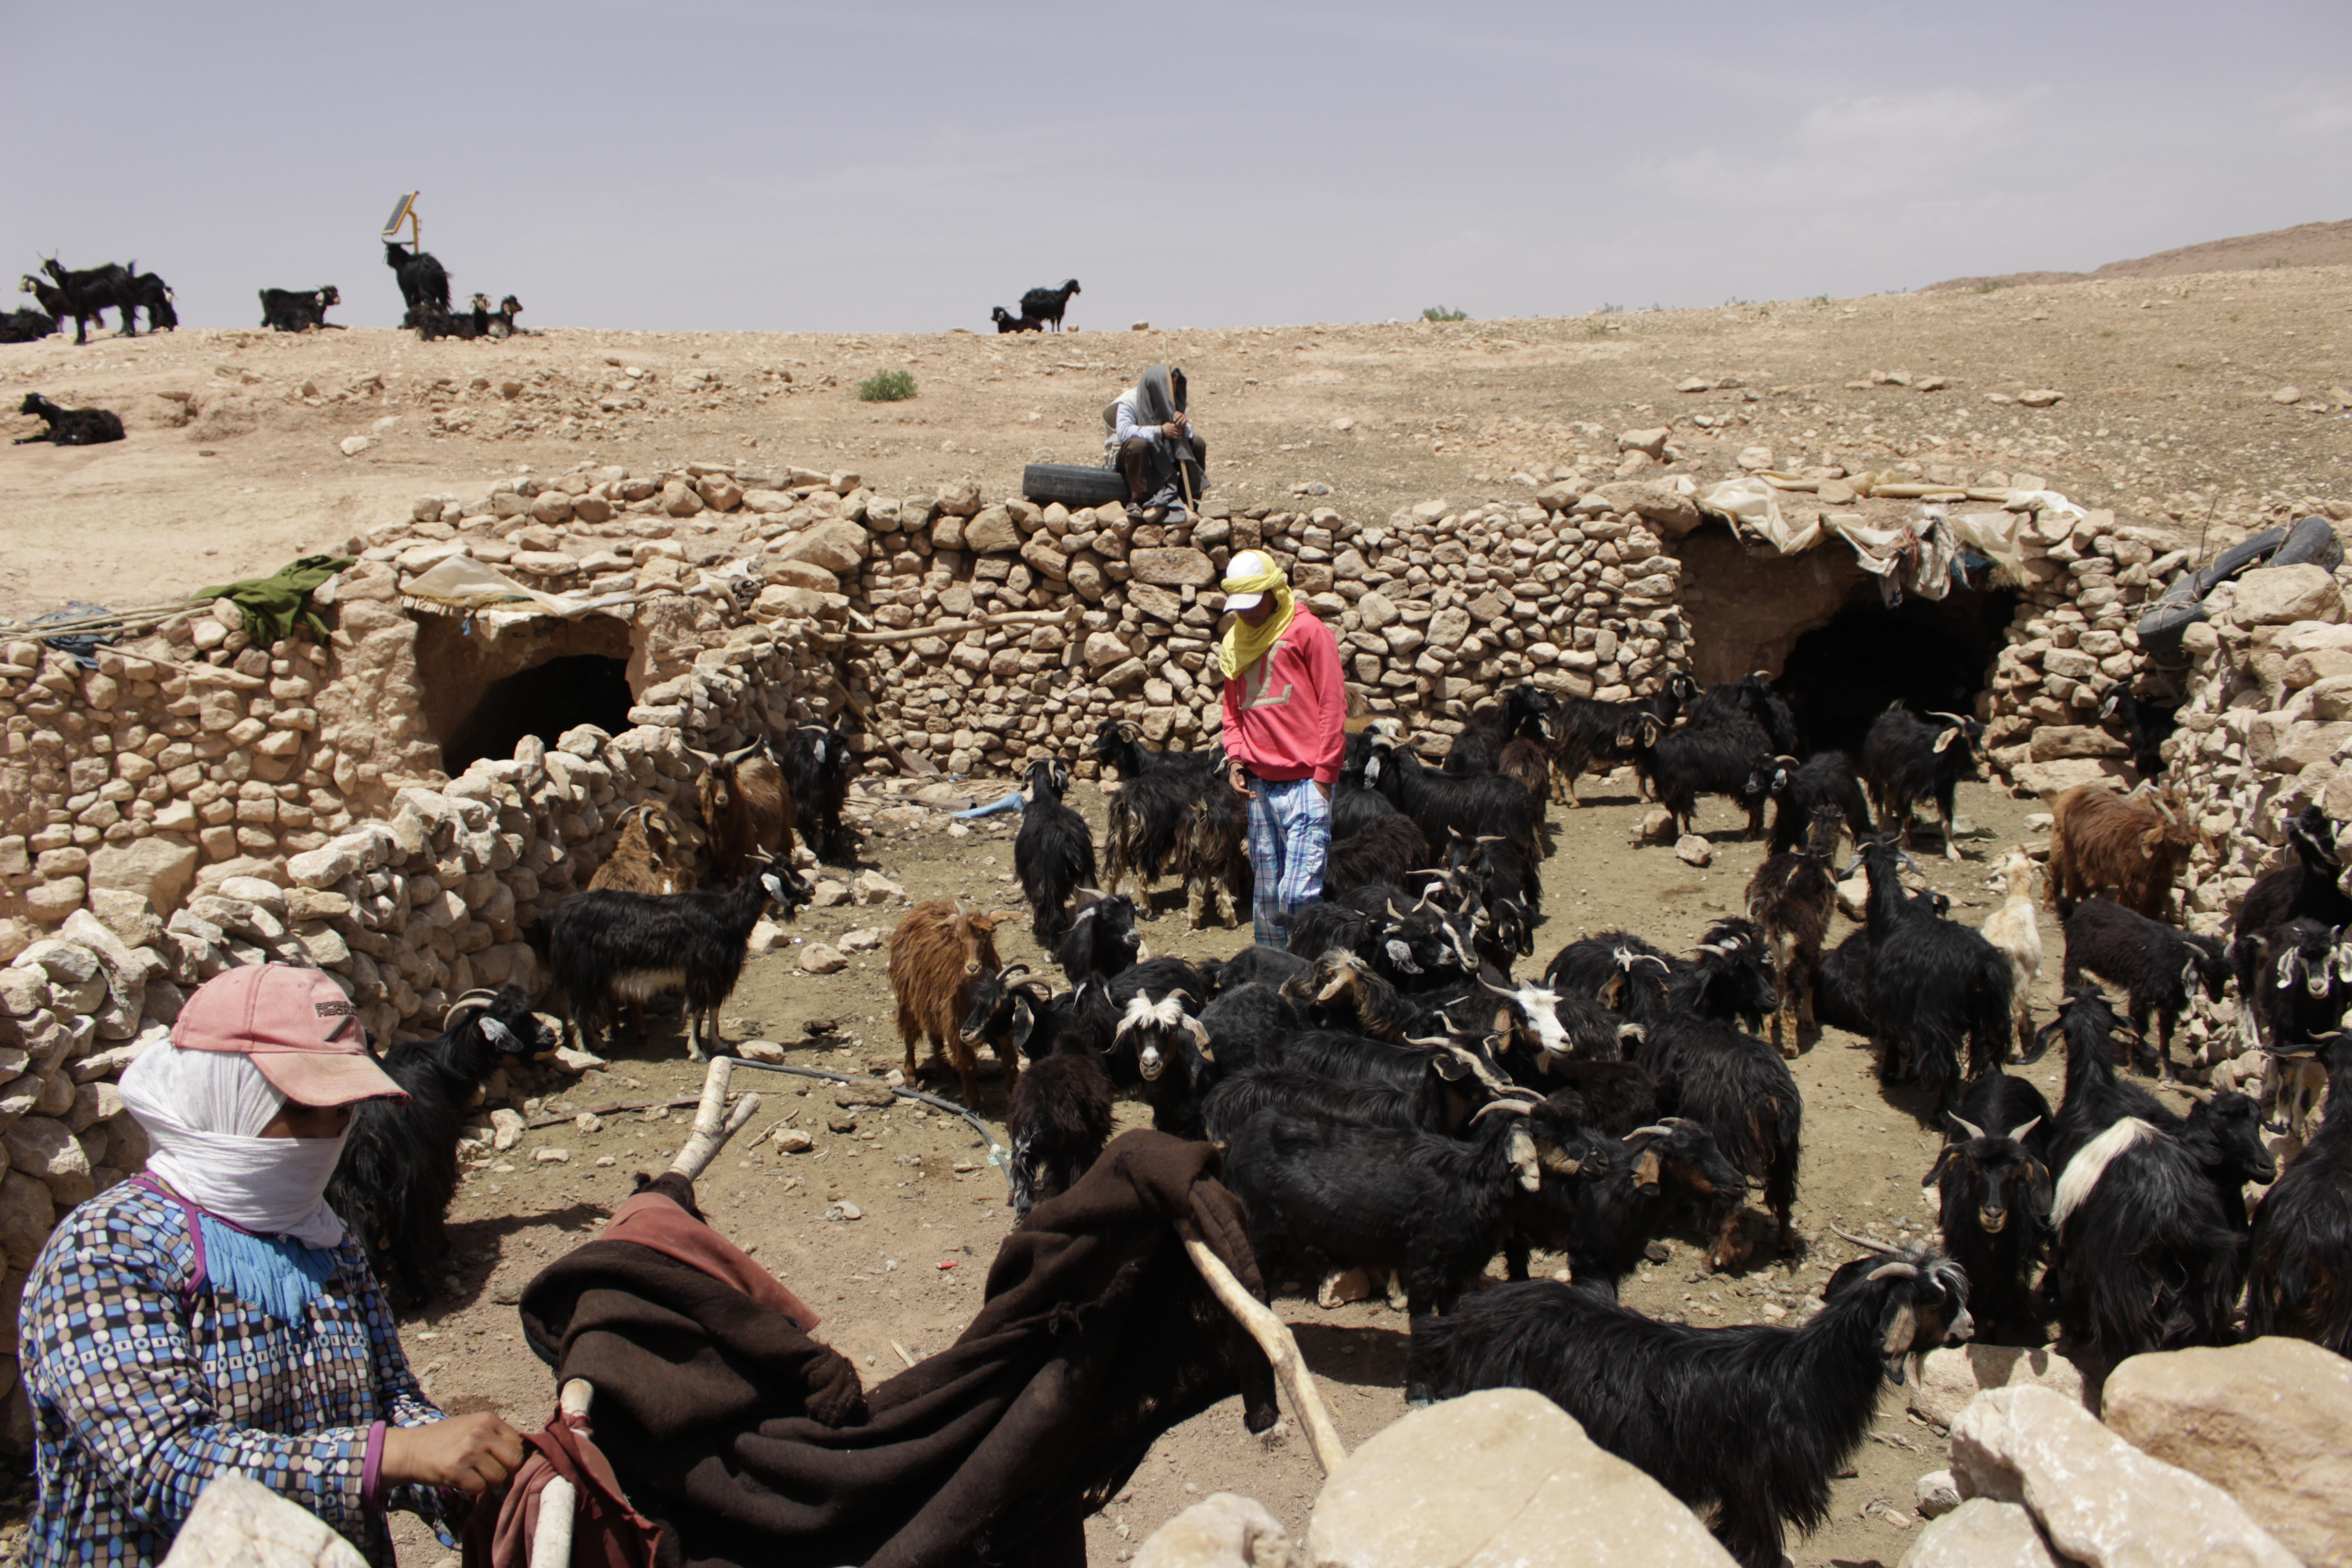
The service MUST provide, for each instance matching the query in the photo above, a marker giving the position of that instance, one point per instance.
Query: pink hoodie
(1285, 715)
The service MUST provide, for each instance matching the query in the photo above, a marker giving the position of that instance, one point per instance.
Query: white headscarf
(204, 1112)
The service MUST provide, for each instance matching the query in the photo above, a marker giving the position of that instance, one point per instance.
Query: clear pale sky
(903, 166)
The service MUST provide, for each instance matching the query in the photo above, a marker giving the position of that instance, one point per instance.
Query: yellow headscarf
(1245, 644)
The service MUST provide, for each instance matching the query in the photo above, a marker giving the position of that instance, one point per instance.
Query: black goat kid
(2162, 967)
(818, 768)
(1059, 1120)
(399, 1166)
(1664, 1396)
(1053, 854)
(70, 427)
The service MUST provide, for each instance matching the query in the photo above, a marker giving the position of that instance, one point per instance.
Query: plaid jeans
(1289, 839)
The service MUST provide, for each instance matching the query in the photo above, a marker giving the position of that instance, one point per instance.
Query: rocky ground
(904, 1273)
(2170, 402)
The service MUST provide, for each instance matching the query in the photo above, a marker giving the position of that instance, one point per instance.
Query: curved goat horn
(1514, 1107)
(1970, 1128)
(1651, 1132)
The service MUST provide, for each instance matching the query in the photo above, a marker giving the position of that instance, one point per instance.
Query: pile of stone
(2072, 640)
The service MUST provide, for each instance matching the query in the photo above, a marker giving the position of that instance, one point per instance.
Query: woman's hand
(472, 1453)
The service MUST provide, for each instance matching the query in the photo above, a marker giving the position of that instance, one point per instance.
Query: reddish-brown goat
(2130, 848)
(747, 810)
(938, 955)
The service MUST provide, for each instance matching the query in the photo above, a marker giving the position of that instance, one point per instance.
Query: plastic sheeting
(1926, 555)
(459, 584)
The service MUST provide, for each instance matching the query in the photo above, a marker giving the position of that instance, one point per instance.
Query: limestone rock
(1944, 1381)
(1498, 1479)
(2265, 1422)
(1674, 512)
(2041, 397)
(506, 1129)
(1653, 442)
(1693, 849)
(837, 546)
(155, 868)
(817, 958)
(874, 888)
(1937, 1494)
(241, 1523)
(2097, 1497)
(42, 1149)
(1172, 568)
(1982, 1534)
(2053, 741)
(2050, 780)
(2279, 596)
(990, 531)
(1223, 1530)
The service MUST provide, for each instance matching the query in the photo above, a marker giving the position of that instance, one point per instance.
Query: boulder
(1944, 1383)
(1172, 568)
(2279, 596)
(240, 1521)
(156, 868)
(2054, 741)
(1982, 1534)
(817, 958)
(990, 531)
(806, 575)
(1498, 1478)
(1662, 504)
(1223, 1530)
(836, 546)
(2050, 780)
(2265, 1422)
(1651, 441)
(2098, 1499)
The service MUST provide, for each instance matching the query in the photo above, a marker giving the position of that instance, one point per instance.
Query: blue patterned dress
(143, 1388)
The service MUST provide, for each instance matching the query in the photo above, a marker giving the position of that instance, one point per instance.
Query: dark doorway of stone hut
(543, 701)
(1930, 655)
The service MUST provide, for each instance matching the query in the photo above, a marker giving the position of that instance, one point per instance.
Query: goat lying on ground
(1006, 321)
(70, 427)
(27, 326)
(398, 1169)
(1663, 1396)
(297, 310)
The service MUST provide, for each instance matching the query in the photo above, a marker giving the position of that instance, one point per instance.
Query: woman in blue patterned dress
(211, 1315)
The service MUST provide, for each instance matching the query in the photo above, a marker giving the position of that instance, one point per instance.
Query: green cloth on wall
(273, 606)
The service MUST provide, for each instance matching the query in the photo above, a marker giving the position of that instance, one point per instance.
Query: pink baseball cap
(302, 1033)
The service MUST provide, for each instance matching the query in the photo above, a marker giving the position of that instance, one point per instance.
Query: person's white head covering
(204, 1112)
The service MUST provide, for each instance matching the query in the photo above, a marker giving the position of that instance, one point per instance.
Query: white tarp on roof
(459, 584)
(1917, 556)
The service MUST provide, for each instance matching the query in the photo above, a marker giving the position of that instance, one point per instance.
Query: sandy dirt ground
(233, 466)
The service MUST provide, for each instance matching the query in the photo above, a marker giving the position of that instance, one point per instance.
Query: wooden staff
(1272, 1336)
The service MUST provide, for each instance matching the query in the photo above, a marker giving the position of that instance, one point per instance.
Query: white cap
(1247, 565)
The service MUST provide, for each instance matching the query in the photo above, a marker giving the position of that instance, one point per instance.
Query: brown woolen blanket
(748, 1440)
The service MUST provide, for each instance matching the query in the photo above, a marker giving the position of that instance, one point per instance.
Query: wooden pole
(712, 1124)
(979, 623)
(1272, 1336)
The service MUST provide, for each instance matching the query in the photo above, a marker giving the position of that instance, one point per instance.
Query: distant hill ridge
(2305, 245)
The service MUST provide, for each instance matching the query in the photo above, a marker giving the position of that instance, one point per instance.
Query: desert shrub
(1443, 314)
(886, 386)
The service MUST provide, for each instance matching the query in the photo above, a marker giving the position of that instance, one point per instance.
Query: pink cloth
(1286, 716)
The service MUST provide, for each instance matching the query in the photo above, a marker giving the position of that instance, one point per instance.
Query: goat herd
(1389, 1097)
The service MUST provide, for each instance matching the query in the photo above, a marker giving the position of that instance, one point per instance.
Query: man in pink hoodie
(1285, 713)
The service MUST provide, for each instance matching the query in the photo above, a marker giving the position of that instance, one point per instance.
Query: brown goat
(1792, 896)
(2103, 844)
(644, 859)
(937, 956)
(747, 810)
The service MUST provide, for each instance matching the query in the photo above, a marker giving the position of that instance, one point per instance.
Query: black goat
(2160, 967)
(1628, 1184)
(1739, 1090)
(606, 946)
(1617, 969)
(424, 281)
(433, 325)
(2299, 1270)
(1753, 700)
(1059, 1120)
(69, 426)
(2150, 1253)
(26, 326)
(1006, 321)
(1259, 962)
(2095, 1099)
(153, 295)
(818, 769)
(1387, 848)
(1433, 1208)
(2302, 983)
(1441, 805)
(297, 310)
(1101, 942)
(1931, 981)
(1297, 1092)
(1478, 749)
(499, 324)
(1993, 1196)
(1904, 761)
(1245, 1026)
(1172, 1054)
(1053, 854)
(1046, 305)
(1688, 764)
(1800, 791)
(1589, 734)
(398, 1169)
(1150, 817)
(1663, 1395)
(2304, 888)
(86, 294)
(2147, 725)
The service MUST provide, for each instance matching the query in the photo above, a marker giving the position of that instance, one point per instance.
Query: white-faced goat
(607, 946)
(1993, 1201)
(1663, 1395)
(1174, 1054)
(1904, 761)
(398, 1169)
(2302, 985)
(1053, 854)
(2161, 968)
(2299, 1269)
(297, 310)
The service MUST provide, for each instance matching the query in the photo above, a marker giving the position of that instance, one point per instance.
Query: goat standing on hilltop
(1285, 713)
(1047, 306)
